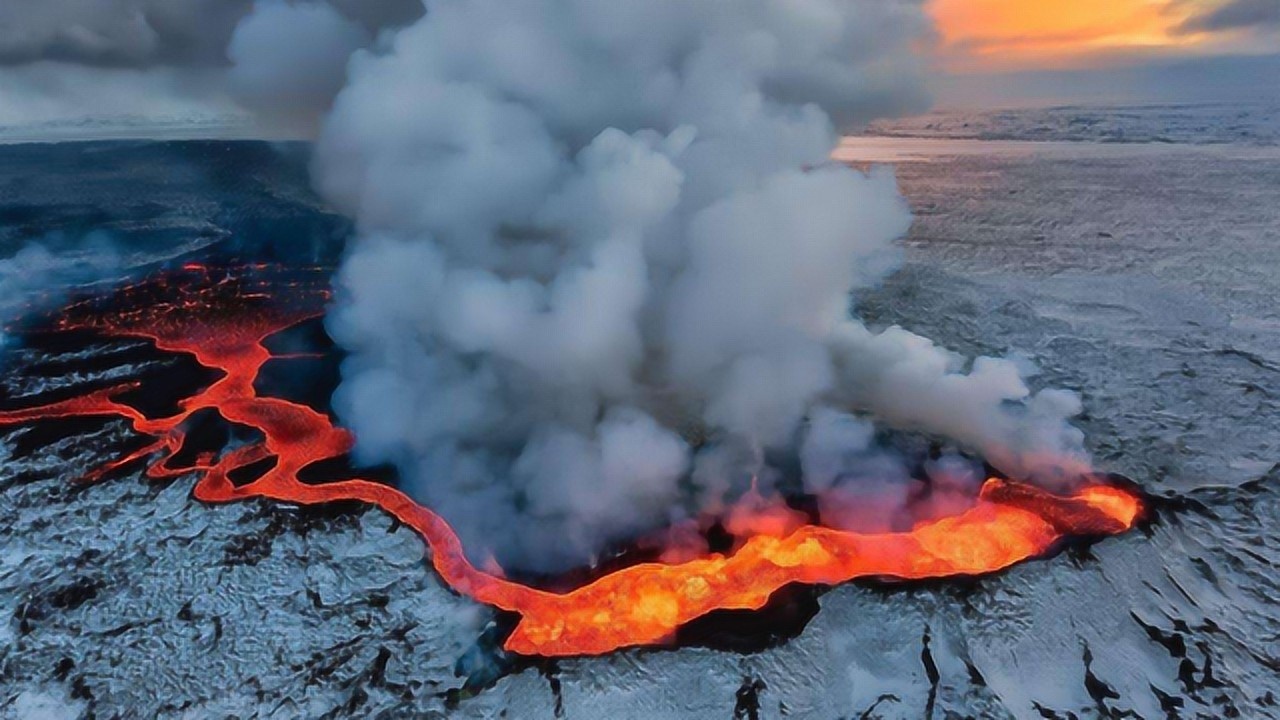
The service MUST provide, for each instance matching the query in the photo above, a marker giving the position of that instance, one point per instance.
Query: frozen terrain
(1146, 277)
(1257, 124)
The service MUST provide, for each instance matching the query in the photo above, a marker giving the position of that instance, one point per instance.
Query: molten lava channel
(223, 322)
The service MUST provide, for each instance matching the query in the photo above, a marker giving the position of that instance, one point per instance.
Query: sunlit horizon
(1006, 35)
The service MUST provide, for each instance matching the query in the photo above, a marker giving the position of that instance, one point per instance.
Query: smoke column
(604, 268)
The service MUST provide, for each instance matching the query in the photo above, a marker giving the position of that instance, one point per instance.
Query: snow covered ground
(1145, 278)
(1254, 124)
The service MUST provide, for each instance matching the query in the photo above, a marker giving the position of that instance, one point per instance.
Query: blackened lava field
(1148, 282)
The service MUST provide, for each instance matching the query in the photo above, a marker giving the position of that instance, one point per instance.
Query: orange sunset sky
(998, 35)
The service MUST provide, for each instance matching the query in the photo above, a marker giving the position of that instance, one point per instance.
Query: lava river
(223, 321)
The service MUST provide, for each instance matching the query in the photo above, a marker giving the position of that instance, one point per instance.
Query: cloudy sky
(1016, 52)
(66, 60)
(1004, 35)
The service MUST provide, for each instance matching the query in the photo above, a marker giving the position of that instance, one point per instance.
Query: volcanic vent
(224, 318)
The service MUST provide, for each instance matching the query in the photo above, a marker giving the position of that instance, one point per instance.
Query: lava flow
(223, 321)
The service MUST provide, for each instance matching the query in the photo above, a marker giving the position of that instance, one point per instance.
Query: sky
(1031, 52)
(1013, 35)
(62, 61)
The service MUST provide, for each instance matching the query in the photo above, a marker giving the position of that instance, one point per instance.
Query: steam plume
(40, 273)
(288, 59)
(604, 265)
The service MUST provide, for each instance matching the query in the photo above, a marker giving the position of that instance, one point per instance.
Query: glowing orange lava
(223, 321)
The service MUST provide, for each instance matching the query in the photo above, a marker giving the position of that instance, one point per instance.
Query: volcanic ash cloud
(604, 264)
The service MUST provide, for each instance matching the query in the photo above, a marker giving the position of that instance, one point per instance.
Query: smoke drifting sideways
(604, 266)
(42, 272)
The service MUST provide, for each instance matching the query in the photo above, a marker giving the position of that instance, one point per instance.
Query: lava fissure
(224, 323)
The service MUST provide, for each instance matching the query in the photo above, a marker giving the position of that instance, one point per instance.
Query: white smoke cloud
(289, 59)
(605, 263)
(907, 381)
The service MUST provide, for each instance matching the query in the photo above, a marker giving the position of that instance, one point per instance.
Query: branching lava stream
(222, 320)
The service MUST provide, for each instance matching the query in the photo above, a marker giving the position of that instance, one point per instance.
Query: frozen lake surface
(1254, 124)
(1146, 279)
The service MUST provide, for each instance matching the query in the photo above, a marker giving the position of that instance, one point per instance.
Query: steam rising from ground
(40, 273)
(604, 268)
